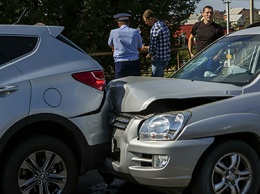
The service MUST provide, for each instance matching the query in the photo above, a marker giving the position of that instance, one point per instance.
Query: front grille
(120, 120)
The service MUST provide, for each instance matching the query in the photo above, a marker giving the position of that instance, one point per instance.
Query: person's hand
(144, 48)
(112, 49)
(149, 56)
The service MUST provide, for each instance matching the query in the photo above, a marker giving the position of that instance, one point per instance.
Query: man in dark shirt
(205, 31)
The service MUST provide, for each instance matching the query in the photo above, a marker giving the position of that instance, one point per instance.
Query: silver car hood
(134, 94)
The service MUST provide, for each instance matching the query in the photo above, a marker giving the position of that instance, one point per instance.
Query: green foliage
(184, 55)
(88, 22)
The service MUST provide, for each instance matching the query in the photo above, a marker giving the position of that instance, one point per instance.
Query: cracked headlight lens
(163, 127)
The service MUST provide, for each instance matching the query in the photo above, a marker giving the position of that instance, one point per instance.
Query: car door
(15, 88)
(14, 97)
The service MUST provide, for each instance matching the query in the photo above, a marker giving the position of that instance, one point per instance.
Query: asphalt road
(93, 183)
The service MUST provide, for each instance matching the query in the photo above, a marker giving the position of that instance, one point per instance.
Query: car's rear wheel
(40, 164)
(230, 168)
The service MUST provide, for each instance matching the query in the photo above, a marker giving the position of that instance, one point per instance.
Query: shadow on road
(93, 183)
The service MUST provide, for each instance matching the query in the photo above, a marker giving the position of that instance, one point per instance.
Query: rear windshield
(68, 42)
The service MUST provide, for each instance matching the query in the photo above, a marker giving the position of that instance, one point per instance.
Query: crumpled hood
(134, 94)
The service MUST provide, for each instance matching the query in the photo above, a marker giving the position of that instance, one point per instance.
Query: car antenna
(20, 16)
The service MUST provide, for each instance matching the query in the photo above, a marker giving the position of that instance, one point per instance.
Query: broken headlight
(163, 127)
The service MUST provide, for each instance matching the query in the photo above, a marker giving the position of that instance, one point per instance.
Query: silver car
(197, 131)
(52, 101)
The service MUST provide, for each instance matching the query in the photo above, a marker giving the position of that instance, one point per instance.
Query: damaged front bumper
(134, 160)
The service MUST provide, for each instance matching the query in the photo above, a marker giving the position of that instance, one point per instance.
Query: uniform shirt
(126, 42)
(160, 41)
(206, 34)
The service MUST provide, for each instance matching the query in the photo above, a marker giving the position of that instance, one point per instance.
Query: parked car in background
(197, 131)
(52, 101)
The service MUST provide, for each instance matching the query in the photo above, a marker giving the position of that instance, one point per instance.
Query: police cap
(122, 16)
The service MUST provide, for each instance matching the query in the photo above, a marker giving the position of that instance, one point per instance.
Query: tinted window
(12, 47)
(68, 42)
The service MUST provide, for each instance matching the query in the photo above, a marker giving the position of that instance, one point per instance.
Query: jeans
(127, 68)
(158, 67)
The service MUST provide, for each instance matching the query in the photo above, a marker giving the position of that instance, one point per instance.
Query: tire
(219, 174)
(40, 164)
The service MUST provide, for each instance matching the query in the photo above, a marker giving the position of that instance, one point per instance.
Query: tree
(88, 22)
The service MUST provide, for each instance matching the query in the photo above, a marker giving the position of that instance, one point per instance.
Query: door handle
(8, 89)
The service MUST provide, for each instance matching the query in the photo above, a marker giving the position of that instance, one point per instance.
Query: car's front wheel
(40, 164)
(232, 167)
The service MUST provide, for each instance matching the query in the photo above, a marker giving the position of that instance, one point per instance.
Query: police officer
(126, 43)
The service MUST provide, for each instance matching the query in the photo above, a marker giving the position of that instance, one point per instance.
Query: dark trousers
(127, 68)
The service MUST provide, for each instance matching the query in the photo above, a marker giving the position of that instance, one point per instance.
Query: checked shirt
(160, 41)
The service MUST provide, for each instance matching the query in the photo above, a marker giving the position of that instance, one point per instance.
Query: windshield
(233, 60)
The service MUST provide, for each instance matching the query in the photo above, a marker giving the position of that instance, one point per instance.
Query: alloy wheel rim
(42, 172)
(232, 174)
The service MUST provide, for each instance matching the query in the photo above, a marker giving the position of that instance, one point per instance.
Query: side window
(12, 47)
(3, 59)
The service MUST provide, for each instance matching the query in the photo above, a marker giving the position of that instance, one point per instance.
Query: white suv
(52, 101)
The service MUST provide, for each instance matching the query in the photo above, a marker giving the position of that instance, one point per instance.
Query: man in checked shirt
(159, 47)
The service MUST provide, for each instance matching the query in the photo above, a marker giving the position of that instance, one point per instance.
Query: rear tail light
(95, 79)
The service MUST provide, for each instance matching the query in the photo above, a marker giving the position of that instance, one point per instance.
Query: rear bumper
(94, 126)
(95, 138)
(95, 155)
